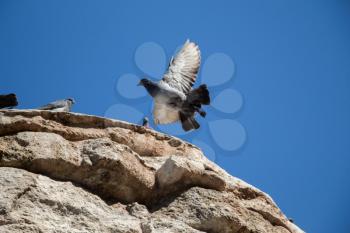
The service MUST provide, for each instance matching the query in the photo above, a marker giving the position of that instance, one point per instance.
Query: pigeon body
(59, 105)
(9, 100)
(174, 98)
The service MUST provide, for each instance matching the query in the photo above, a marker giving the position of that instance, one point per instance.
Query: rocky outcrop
(65, 172)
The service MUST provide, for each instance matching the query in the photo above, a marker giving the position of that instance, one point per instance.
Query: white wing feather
(183, 69)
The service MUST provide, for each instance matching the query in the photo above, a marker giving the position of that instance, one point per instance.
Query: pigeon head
(151, 87)
(71, 100)
(144, 82)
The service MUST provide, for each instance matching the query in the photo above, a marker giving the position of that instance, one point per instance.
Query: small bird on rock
(7, 101)
(145, 122)
(174, 98)
(59, 105)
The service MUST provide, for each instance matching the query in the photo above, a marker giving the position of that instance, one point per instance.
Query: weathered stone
(130, 178)
(179, 171)
(35, 203)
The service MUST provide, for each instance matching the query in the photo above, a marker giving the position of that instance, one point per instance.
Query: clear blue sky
(292, 62)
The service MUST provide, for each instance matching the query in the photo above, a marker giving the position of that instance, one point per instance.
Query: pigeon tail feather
(188, 122)
(199, 96)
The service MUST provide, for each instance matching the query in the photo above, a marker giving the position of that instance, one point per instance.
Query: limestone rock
(36, 203)
(66, 172)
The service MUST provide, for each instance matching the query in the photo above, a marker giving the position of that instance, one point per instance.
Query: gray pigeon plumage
(174, 98)
(59, 105)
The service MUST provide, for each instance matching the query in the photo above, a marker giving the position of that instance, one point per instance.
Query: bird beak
(139, 84)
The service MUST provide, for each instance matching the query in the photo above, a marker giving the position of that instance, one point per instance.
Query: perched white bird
(174, 98)
(59, 105)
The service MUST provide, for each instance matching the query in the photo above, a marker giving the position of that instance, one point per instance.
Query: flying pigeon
(59, 105)
(174, 98)
(9, 100)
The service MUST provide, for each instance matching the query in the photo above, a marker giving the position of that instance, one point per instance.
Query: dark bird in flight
(174, 98)
(59, 105)
(9, 100)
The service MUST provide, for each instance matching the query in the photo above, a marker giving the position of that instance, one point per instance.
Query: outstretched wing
(183, 69)
(54, 105)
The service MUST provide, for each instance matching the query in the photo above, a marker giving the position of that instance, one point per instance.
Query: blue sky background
(292, 61)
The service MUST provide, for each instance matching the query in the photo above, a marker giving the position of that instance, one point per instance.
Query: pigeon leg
(200, 111)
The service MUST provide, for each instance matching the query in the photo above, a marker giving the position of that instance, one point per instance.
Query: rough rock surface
(65, 172)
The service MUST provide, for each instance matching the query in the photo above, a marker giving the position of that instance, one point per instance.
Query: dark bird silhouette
(9, 100)
(145, 122)
(174, 98)
(59, 105)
